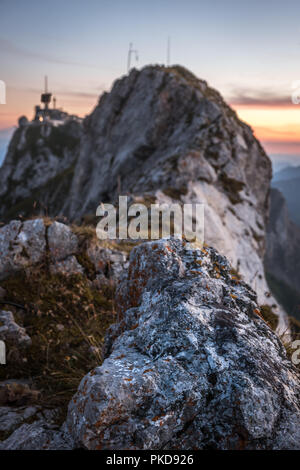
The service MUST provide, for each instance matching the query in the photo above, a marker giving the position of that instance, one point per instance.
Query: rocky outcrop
(38, 167)
(12, 418)
(162, 128)
(24, 244)
(37, 436)
(21, 244)
(190, 365)
(59, 283)
(160, 133)
(164, 133)
(11, 332)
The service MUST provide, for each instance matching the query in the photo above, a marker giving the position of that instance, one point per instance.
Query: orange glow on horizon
(278, 128)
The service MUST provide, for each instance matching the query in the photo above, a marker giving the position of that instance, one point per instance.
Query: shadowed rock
(39, 435)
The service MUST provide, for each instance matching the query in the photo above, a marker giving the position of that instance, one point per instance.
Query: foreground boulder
(191, 364)
(25, 244)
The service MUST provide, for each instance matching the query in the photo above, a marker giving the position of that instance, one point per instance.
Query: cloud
(283, 148)
(62, 92)
(262, 98)
(11, 48)
(277, 132)
(78, 94)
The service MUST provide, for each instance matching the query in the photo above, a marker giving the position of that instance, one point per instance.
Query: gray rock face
(62, 241)
(26, 426)
(21, 244)
(191, 364)
(37, 167)
(63, 245)
(112, 262)
(181, 131)
(36, 436)
(13, 417)
(164, 132)
(11, 332)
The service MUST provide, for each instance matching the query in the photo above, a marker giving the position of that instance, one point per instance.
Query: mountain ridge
(163, 134)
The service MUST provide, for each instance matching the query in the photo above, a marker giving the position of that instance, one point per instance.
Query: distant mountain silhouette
(288, 183)
(288, 173)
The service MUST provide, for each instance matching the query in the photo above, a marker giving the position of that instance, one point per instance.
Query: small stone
(11, 332)
(61, 240)
(67, 266)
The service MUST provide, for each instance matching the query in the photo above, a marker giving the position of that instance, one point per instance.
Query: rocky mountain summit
(161, 135)
(38, 166)
(190, 363)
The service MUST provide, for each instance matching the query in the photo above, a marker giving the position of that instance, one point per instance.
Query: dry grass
(66, 318)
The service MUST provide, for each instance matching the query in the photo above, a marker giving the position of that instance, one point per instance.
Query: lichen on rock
(191, 364)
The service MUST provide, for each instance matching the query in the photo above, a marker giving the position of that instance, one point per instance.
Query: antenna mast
(46, 97)
(130, 52)
(168, 51)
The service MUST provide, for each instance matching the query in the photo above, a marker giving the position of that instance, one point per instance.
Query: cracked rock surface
(21, 244)
(191, 364)
(12, 332)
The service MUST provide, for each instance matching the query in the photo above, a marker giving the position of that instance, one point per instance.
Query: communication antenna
(46, 97)
(130, 52)
(168, 51)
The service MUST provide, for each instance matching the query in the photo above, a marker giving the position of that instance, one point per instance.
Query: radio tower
(46, 97)
(130, 52)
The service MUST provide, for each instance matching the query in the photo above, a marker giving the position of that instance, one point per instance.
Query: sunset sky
(249, 51)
